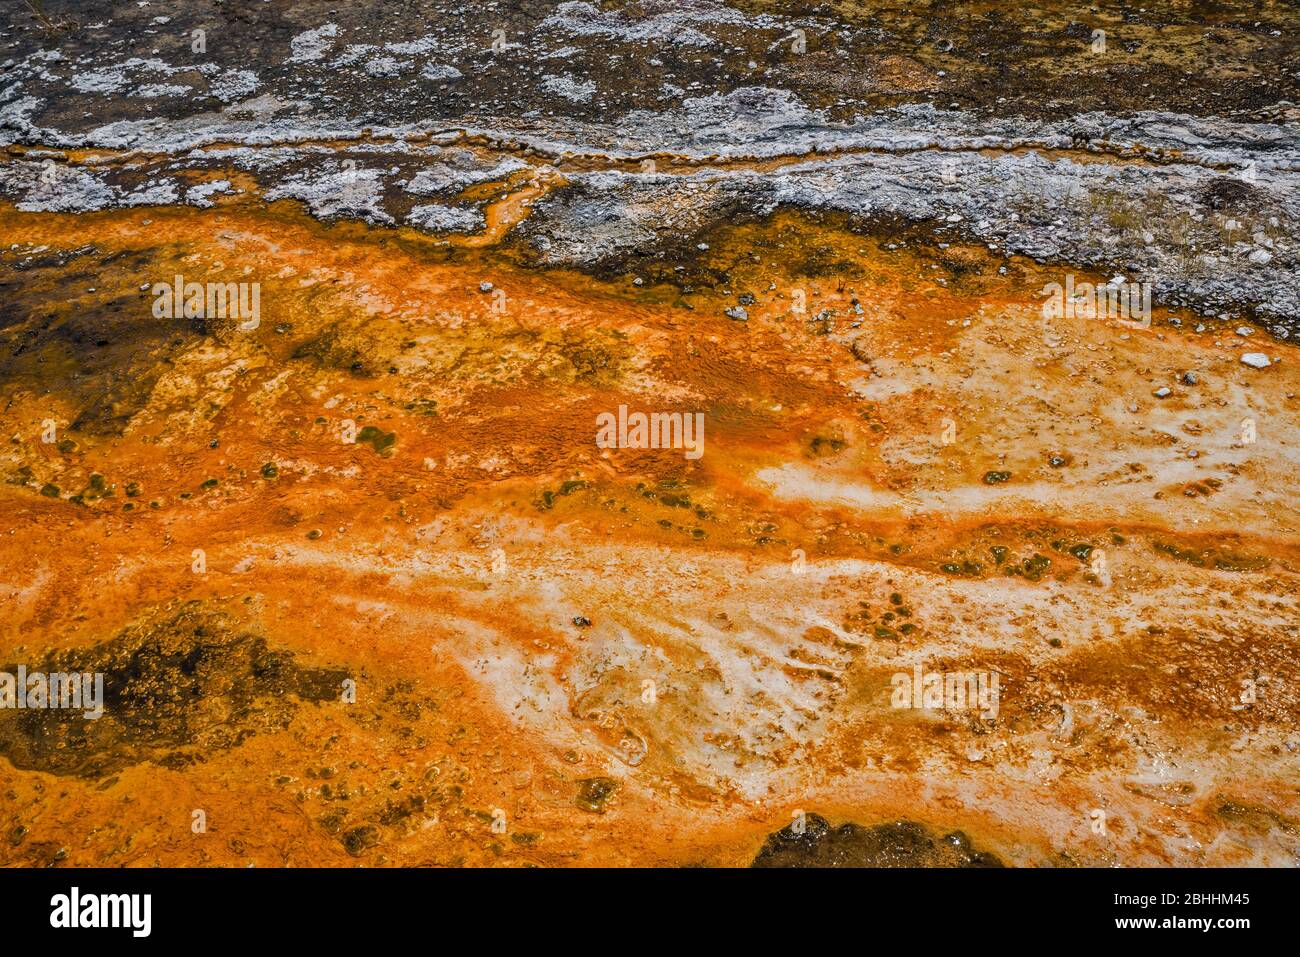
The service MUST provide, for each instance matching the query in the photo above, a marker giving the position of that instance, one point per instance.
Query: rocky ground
(366, 588)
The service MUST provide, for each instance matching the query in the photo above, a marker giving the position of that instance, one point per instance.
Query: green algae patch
(594, 793)
(379, 440)
(181, 683)
(1212, 558)
(814, 843)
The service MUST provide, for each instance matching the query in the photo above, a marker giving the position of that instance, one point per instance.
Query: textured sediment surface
(363, 579)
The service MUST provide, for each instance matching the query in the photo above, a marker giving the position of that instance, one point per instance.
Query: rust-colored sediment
(501, 590)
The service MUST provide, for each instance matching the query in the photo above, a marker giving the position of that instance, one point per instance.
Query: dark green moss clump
(996, 478)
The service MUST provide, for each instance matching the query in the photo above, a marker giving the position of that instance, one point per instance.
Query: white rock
(1256, 360)
(1260, 256)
